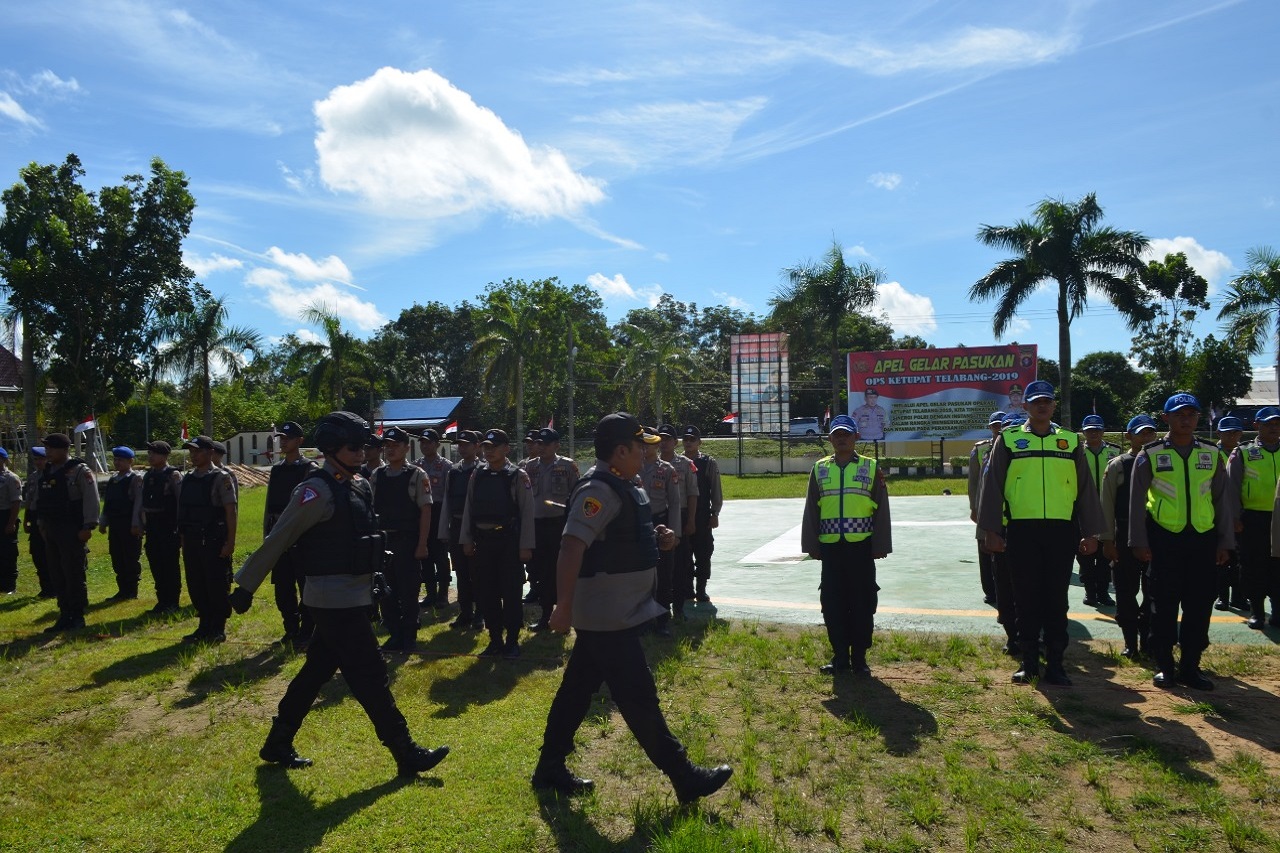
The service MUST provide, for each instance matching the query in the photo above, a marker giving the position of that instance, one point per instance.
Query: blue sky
(372, 157)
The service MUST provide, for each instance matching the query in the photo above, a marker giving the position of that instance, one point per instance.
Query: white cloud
(967, 48)
(662, 134)
(909, 313)
(296, 181)
(1210, 263)
(413, 144)
(619, 288)
(296, 282)
(202, 266)
(13, 110)
(731, 301)
(301, 266)
(46, 82)
(858, 251)
(885, 180)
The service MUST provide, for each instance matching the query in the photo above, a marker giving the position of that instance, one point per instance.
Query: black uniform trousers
(406, 579)
(682, 570)
(1229, 578)
(702, 544)
(1006, 597)
(615, 658)
(499, 582)
(1095, 574)
(35, 544)
(462, 570)
(208, 580)
(664, 593)
(1040, 553)
(1259, 571)
(126, 556)
(1182, 575)
(344, 640)
(1130, 576)
(8, 561)
(546, 553)
(435, 568)
(68, 563)
(289, 582)
(849, 597)
(986, 570)
(162, 546)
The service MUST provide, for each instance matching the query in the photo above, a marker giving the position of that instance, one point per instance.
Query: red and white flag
(731, 418)
(379, 428)
(85, 425)
(451, 429)
(185, 435)
(826, 419)
(551, 424)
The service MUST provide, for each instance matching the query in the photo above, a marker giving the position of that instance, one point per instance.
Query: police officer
(1230, 587)
(661, 482)
(977, 460)
(552, 478)
(207, 522)
(220, 462)
(1095, 571)
(287, 577)
(498, 535)
(871, 417)
(435, 566)
(1181, 521)
(157, 507)
(402, 499)
(68, 503)
(121, 520)
(10, 504)
(1254, 470)
(530, 451)
(1037, 477)
(846, 526)
(372, 456)
(710, 500)
(1006, 599)
(605, 588)
(30, 522)
(330, 522)
(1129, 573)
(455, 500)
(687, 495)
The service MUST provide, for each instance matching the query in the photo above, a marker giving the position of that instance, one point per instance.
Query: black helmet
(338, 429)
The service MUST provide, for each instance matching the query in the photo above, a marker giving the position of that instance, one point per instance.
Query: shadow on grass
(290, 822)
(901, 723)
(574, 831)
(17, 602)
(1244, 711)
(232, 675)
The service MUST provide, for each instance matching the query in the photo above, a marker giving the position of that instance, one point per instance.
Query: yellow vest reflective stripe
(1099, 461)
(1258, 491)
(845, 507)
(1173, 480)
(981, 450)
(1040, 482)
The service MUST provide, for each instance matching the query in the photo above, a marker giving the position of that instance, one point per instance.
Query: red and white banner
(731, 418)
(899, 395)
(451, 429)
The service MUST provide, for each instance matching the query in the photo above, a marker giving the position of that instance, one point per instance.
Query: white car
(805, 427)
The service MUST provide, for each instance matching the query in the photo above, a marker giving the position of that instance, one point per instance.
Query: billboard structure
(760, 382)
(900, 395)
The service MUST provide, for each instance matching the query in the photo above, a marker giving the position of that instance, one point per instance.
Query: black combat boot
(1166, 676)
(412, 759)
(1189, 673)
(552, 775)
(1054, 672)
(693, 782)
(1130, 649)
(278, 748)
(1030, 669)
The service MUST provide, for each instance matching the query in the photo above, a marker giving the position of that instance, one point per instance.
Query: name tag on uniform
(1204, 462)
(1164, 462)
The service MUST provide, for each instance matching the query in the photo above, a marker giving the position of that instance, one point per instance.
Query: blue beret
(122, 452)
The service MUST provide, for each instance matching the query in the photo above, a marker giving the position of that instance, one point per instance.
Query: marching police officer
(435, 566)
(455, 500)
(710, 500)
(1181, 521)
(330, 522)
(977, 460)
(1231, 591)
(287, 578)
(498, 536)
(1254, 470)
(10, 504)
(1129, 573)
(846, 526)
(402, 499)
(687, 495)
(661, 482)
(552, 477)
(30, 522)
(1038, 476)
(157, 507)
(68, 504)
(605, 591)
(1095, 571)
(207, 522)
(121, 520)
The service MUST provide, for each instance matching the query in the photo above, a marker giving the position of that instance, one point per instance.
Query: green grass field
(793, 486)
(121, 739)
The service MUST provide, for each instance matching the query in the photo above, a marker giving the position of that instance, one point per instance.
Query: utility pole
(573, 351)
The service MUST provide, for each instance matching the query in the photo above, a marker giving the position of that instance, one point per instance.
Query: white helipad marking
(786, 548)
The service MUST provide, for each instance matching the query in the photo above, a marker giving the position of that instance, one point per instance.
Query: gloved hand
(240, 599)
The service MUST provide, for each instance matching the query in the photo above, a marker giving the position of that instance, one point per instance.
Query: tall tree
(1177, 292)
(1114, 370)
(509, 329)
(199, 341)
(1066, 243)
(332, 358)
(653, 366)
(85, 269)
(1218, 373)
(1252, 307)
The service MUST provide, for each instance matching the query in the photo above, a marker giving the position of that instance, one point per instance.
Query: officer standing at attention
(330, 522)
(710, 500)
(10, 504)
(1038, 476)
(1095, 571)
(30, 518)
(286, 576)
(846, 526)
(530, 451)
(435, 568)
(1231, 591)
(372, 456)
(497, 535)
(605, 587)
(1254, 470)
(1006, 599)
(157, 506)
(68, 503)
(121, 520)
(402, 499)
(220, 462)
(977, 460)
(1181, 521)
(661, 483)
(455, 500)
(553, 478)
(687, 495)
(207, 521)
(1129, 573)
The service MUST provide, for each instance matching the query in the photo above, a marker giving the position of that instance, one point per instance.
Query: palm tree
(504, 346)
(820, 296)
(1252, 307)
(1065, 244)
(652, 367)
(332, 358)
(200, 338)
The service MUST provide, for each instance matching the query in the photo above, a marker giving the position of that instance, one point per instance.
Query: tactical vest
(1040, 482)
(55, 494)
(491, 500)
(349, 542)
(158, 500)
(285, 477)
(628, 544)
(455, 484)
(845, 507)
(703, 464)
(1098, 462)
(1180, 493)
(1258, 491)
(1122, 496)
(117, 503)
(396, 508)
(197, 515)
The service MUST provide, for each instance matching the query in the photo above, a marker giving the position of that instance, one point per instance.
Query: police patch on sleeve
(591, 507)
(308, 495)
